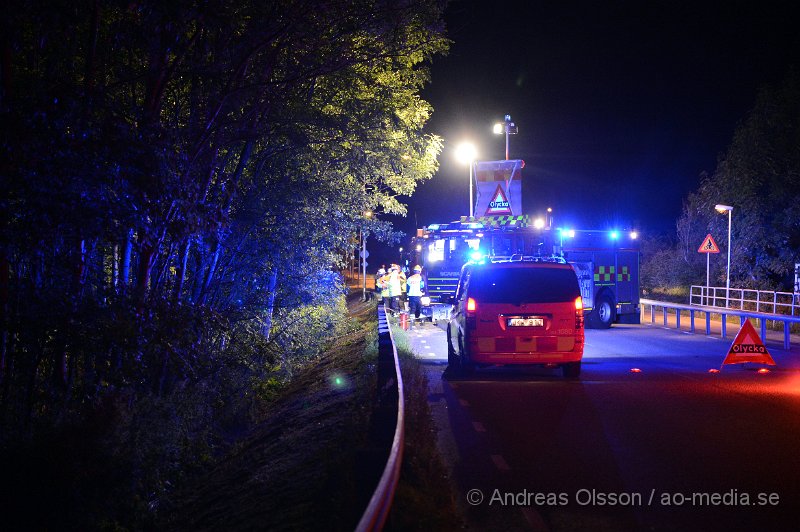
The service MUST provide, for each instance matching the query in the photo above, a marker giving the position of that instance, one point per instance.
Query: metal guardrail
(743, 315)
(390, 387)
(745, 299)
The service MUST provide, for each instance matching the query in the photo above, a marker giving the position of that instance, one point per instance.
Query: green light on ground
(339, 381)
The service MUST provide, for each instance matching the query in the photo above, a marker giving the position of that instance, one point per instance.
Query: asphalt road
(670, 447)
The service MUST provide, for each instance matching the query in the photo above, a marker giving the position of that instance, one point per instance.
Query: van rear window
(531, 285)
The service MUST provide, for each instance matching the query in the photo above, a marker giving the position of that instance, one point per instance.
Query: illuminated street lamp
(466, 154)
(722, 209)
(508, 127)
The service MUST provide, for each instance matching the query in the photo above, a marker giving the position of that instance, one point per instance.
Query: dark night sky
(620, 105)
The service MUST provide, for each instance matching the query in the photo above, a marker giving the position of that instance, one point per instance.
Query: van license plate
(525, 322)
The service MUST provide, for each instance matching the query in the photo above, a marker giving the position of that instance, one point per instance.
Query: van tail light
(471, 315)
(578, 312)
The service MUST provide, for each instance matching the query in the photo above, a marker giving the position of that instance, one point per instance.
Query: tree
(759, 175)
(179, 179)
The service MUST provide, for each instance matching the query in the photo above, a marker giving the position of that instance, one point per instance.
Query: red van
(516, 312)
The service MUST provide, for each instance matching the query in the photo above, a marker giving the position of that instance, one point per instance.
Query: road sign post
(364, 255)
(708, 247)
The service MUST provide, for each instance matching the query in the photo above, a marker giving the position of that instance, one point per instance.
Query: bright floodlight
(466, 153)
(499, 129)
(538, 223)
(723, 208)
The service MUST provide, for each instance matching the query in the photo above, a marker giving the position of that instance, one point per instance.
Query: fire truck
(606, 262)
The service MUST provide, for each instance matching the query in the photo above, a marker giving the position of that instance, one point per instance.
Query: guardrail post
(691, 320)
(652, 313)
(678, 319)
(763, 329)
(708, 323)
(724, 325)
(786, 335)
(664, 311)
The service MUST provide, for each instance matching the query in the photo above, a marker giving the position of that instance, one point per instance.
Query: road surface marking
(500, 462)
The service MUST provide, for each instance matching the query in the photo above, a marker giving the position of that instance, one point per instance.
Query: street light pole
(722, 209)
(466, 153)
(471, 201)
(728, 273)
(508, 127)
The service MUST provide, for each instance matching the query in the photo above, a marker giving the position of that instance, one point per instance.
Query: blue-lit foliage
(180, 183)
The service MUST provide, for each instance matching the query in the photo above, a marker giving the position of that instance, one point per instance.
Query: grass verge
(424, 498)
(309, 464)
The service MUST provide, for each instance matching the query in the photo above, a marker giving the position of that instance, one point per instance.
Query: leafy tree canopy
(180, 181)
(759, 176)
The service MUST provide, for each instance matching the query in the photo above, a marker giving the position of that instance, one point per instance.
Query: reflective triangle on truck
(499, 204)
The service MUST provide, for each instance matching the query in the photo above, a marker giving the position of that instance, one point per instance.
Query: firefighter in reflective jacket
(416, 286)
(383, 283)
(396, 279)
(378, 288)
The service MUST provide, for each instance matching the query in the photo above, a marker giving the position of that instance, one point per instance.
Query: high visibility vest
(394, 285)
(415, 285)
(383, 283)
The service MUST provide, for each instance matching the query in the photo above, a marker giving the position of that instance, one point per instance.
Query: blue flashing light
(567, 232)
(476, 255)
(614, 235)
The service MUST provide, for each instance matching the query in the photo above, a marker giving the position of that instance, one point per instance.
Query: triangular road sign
(748, 347)
(499, 204)
(708, 245)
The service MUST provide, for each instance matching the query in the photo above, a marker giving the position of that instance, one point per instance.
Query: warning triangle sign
(499, 204)
(708, 245)
(748, 347)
